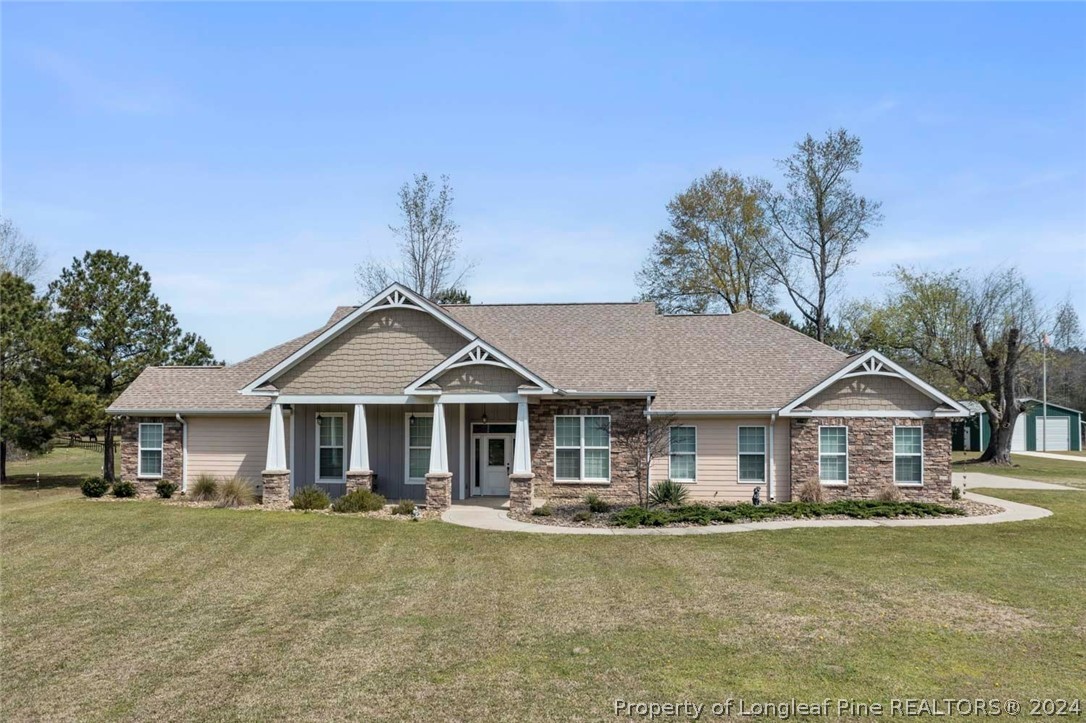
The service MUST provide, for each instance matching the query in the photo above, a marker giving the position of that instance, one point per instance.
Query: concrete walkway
(976, 480)
(493, 514)
(1054, 455)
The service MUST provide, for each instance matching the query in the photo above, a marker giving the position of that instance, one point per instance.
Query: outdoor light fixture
(411, 419)
(484, 414)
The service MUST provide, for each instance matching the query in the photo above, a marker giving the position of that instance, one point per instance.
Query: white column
(360, 444)
(277, 443)
(522, 453)
(439, 449)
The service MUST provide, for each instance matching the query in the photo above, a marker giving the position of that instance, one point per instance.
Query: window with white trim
(582, 448)
(331, 437)
(909, 455)
(420, 430)
(150, 444)
(833, 455)
(683, 454)
(752, 454)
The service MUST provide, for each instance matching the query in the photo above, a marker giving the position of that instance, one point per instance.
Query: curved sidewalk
(486, 515)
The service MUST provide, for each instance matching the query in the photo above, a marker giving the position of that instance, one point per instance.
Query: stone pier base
(276, 487)
(439, 491)
(359, 479)
(521, 492)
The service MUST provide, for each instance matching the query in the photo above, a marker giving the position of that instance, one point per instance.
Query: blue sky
(248, 155)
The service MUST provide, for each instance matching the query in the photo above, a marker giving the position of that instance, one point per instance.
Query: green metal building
(1062, 433)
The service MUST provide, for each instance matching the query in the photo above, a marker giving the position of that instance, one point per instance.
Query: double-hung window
(683, 452)
(833, 455)
(330, 446)
(420, 429)
(752, 454)
(582, 448)
(150, 462)
(909, 455)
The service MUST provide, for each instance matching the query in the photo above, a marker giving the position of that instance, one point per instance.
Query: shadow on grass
(30, 482)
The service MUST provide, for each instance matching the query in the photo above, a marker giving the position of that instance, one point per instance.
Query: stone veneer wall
(871, 457)
(171, 452)
(625, 414)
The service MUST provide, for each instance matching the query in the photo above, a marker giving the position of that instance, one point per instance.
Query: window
(330, 442)
(582, 448)
(684, 454)
(833, 455)
(752, 454)
(150, 463)
(909, 455)
(420, 428)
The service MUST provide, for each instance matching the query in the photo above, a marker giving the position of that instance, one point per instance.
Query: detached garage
(1060, 432)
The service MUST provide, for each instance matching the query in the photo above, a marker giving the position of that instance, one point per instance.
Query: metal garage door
(1018, 439)
(1056, 434)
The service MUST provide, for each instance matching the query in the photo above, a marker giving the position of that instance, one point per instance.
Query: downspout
(648, 447)
(772, 452)
(184, 453)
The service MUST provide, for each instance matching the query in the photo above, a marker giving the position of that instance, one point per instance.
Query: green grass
(1042, 469)
(142, 610)
(53, 475)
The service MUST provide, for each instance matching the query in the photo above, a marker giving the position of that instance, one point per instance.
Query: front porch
(431, 451)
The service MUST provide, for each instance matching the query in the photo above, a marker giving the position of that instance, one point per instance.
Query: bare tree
(1066, 328)
(640, 443)
(18, 254)
(429, 244)
(711, 255)
(818, 223)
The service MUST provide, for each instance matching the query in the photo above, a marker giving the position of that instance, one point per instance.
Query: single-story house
(1060, 432)
(542, 402)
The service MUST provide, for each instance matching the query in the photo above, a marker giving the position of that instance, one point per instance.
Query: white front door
(496, 463)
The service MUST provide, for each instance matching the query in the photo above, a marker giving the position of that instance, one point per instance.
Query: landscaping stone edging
(489, 518)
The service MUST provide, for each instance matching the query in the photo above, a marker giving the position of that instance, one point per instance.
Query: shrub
(404, 507)
(94, 487)
(124, 488)
(582, 516)
(955, 493)
(165, 489)
(725, 514)
(889, 492)
(544, 511)
(810, 491)
(360, 501)
(204, 488)
(310, 498)
(595, 504)
(668, 493)
(235, 492)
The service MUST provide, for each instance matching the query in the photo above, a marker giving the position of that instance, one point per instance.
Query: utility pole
(1044, 392)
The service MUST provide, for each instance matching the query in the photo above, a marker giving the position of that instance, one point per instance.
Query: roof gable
(476, 353)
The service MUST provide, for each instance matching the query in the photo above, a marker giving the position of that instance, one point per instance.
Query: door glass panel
(495, 452)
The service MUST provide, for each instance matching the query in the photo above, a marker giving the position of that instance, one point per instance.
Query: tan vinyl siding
(480, 378)
(381, 353)
(229, 446)
(872, 393)
(718, 460)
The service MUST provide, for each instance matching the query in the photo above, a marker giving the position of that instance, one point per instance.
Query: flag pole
(1044, 392)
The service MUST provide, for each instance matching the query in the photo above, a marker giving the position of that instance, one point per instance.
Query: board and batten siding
(718, 460)
(228, 446)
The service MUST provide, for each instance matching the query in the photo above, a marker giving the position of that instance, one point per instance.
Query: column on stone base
(521, 492)
(439, 491)
(276, 488)
(359, 479)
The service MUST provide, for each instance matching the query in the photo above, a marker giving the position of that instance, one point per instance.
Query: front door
(496, 463)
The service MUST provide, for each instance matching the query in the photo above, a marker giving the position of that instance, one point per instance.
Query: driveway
(1054, 455)
(974, 480)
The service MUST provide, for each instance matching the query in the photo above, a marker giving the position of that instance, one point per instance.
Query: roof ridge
(553, 303)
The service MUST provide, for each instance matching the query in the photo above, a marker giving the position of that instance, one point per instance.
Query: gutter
(184, 453)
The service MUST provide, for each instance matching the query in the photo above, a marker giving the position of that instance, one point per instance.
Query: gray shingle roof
(715, 362)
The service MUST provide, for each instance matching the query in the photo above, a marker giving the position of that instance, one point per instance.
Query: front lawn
(1042, 469)
(142, 610)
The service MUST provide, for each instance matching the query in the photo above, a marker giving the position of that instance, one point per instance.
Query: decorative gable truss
(478, 352)
(872, 363)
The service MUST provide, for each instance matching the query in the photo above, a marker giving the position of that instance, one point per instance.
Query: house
(542, 402)
(1060, 432)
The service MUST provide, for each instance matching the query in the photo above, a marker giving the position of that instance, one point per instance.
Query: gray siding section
(387, 439)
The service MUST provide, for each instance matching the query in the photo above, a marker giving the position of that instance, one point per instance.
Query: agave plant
(668, 493)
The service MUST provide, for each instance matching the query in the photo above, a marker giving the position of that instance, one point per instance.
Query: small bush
(744, 512)
(889, 492)
(810, 491)
(668, 493)
(124, 488)
(94, 487)
(204, 488)
(404, 507)
(595, 504)
(955, 493)
(165, 489)
(310, 498)
(235, 492)
(359, 501)
(582, 516)
(544, 511)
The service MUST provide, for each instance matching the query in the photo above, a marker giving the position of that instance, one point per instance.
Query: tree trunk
(3, 460)
(107, 454)
(999, 443)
